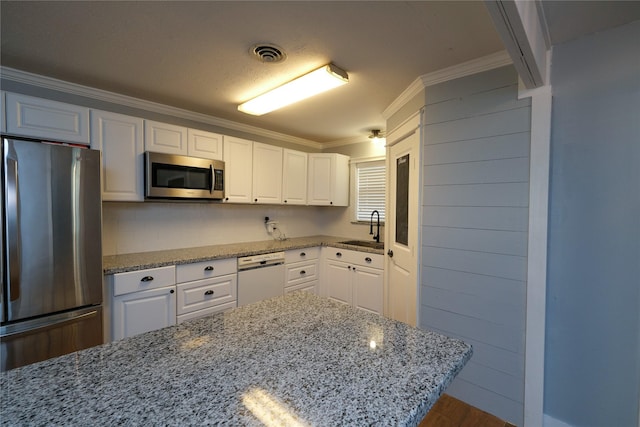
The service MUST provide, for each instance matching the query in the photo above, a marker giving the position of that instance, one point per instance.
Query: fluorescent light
(317, 81)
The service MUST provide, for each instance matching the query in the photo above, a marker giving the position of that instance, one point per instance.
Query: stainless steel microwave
(170, 176)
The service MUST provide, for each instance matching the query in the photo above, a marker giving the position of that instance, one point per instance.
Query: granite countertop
(137, 261)
(299, 359)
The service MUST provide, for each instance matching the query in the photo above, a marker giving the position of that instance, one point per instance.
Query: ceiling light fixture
(317, 81)
(377, 137)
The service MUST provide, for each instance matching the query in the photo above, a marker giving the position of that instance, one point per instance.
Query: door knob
(390, 253)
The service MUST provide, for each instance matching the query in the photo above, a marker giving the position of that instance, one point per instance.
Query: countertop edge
(123, 263)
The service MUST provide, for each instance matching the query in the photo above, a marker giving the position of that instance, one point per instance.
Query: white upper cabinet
(46, 119)
(3, 112)
(120, 138)
(294, 177)
(238, 169)
(328, 182)
(207, 145)
(165, 138)
(267, 173)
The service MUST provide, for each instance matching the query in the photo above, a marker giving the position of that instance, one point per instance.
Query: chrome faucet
(376, 237)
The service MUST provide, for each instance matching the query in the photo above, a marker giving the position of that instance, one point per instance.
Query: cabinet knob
(146, 279)
(303, 254)
(330, 203)
(338, 254)
(349, 267)
(390, 253)
(302, 273)
(368, 260)
(285, 201)
(209, 292)
(208, 268)
(226, 198)
(354, 269)
(255, 200)
(171, 291)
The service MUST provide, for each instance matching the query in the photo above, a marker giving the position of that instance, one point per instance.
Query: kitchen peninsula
(299, 359)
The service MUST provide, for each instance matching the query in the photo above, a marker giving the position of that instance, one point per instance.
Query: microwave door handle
(211, 180)
(13, 223)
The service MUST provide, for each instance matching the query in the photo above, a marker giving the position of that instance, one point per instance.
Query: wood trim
(537, 254)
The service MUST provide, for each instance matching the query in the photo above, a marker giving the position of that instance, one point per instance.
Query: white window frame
(353, 206)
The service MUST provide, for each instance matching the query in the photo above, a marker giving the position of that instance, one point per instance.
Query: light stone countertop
(137, 261)
(298, 360)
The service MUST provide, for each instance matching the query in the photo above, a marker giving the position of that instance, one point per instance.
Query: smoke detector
(267, 53)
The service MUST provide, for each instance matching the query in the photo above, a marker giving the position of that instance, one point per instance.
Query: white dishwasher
(260, 277)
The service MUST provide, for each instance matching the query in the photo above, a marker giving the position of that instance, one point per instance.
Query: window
(370, 180)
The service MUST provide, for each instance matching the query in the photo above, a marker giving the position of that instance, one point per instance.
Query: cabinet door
(238, 164)
(367, 289)
(294, 177)
(143, 311)
(206, 145)
(43, 118)
(328, 179)
(319, 185)
(338, 279)
(165, 138)
(267, 174)
(120, 138)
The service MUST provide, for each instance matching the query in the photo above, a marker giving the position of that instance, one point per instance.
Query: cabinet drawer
(306, 286)
(301, 272)
(142, 280)
(355, 257)
(206, 293)
(206, 312)
(205, 269)
(295, 255)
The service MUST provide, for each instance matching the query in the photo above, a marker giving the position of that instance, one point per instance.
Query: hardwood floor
(451, 412)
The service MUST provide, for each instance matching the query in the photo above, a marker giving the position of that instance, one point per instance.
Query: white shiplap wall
(474, 232)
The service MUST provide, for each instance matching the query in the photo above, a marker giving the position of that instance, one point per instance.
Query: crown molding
(345, 141)
(37, 80)
(485, 63)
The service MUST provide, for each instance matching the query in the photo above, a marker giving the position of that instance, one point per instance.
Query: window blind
(371, 180)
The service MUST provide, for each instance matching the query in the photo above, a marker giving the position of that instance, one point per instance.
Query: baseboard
(549, 421)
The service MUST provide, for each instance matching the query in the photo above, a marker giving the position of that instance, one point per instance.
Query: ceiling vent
(268, 53)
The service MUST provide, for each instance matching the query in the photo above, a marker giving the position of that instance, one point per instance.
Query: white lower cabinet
(354, 278)
(143, 311)
(302, 269)
(214, 289)
(142, 301)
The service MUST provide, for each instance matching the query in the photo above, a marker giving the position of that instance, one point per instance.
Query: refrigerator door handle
(13, 223)
(9, 330)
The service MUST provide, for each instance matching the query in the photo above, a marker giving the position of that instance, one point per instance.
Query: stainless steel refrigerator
(51, 254)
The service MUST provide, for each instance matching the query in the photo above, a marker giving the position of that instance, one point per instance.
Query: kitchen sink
(364, 243)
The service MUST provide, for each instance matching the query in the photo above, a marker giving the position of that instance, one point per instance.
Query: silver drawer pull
(146, 279)
(367, 259)
(208, 268)
(303, 272)
(209, 292)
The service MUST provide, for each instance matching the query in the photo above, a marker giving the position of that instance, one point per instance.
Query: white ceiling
(194, 55)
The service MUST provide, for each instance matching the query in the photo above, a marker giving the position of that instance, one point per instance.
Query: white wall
(142, 227)
(592, 351)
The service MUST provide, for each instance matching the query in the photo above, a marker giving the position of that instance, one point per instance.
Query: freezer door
(43, 338)
(52, 208)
